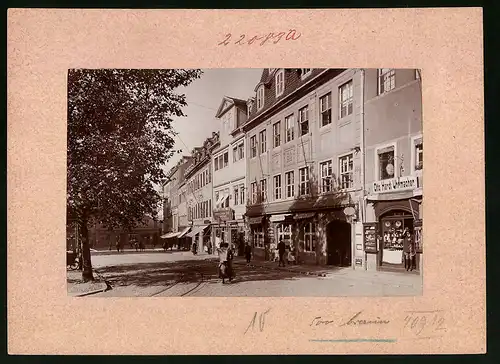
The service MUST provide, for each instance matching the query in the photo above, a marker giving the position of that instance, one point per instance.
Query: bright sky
(203, 97)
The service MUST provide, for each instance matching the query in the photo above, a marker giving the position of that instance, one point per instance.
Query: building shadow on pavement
(189, 271)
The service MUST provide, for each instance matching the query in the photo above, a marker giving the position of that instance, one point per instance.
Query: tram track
(183, 278)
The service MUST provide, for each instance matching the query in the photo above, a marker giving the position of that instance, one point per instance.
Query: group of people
(283, 254)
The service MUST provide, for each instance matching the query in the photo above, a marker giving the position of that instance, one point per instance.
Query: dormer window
(280, 82)
(305, 72)
(260, 97)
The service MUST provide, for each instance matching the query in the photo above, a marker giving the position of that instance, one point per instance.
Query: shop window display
(393, 231)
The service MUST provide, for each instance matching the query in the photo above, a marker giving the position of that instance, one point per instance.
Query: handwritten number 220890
(271, 37)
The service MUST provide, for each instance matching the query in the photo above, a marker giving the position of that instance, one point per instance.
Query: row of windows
(386, 160)
(222, 196)
(345, 109)
(222, 161)
(346, 168)
(307, 236)
(279, 84)
(386, 82)
(201, 210)
(200, 180)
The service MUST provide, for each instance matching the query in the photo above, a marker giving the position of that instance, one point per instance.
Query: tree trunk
(87, 264)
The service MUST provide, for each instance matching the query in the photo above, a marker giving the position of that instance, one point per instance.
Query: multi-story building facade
(393, 164)
(304, 165)
(229, 173)
(173, 228)
(147, 232)
(199, 192)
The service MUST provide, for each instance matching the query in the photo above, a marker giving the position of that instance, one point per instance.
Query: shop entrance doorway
(338, 238)
(393, 226)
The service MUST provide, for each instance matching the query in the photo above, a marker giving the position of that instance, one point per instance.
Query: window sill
(345, 120)
(324, 127)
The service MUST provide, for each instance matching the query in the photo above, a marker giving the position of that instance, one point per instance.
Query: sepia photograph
(273, 182)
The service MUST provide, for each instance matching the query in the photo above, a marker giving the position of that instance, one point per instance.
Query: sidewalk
(77, 288)
(337, 272)
(315, 270)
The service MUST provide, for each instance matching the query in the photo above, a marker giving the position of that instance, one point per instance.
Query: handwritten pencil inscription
(424, 324)
(355, 320)
(261, 321)
(274, 38)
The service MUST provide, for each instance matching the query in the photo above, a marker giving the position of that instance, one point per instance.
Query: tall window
(326, 176)
(345, 99)
(386, 165)
(304, 120)
(218, 196)
(290, 184)
(386, 80)
(325, 108)
(289, 128)
(242, 193)
(235, 154)
(305, 72)
(241, 151)
(309, 237)
(260, 97)
(303, 181)
(253, 146)
(277, 187)
(346, 168)
(236, 195)
(284, 233)
(419, 154)
(262, 139)
(258, 236)
(263, 190)
(280, 82)
(276, 134)
(226, 159)
(254, 192)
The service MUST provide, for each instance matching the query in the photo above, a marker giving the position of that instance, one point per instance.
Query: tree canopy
(119, 137)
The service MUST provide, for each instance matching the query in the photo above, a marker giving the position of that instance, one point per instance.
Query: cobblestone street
(182, 274)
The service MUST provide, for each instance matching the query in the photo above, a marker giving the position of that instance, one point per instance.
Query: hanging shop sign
(395, 184)
(226, 214)
(370, 237)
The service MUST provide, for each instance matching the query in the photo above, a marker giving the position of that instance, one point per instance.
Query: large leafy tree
(119, 137)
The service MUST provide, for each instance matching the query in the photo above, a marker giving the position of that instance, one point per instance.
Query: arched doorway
(338, 240)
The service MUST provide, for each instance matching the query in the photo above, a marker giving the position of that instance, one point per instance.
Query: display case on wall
(370, 233)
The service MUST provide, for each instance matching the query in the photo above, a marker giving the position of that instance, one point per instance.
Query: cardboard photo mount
(445, 43)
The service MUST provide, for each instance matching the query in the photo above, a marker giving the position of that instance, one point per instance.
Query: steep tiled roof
(293, 81)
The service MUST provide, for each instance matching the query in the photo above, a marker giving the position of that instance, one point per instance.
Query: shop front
(226, 229)
(396, 213)
(201, 236)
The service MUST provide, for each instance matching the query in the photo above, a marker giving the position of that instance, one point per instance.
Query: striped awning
(196, 230)
(170, 235)
(184, 232)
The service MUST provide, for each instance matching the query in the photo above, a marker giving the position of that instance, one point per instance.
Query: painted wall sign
(395, 184)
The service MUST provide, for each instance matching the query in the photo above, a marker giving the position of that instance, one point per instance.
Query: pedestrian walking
(406, 249)
(281, 251)
(248, 252)
(413, 254)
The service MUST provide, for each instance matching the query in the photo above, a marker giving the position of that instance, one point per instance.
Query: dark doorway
(338, 237)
